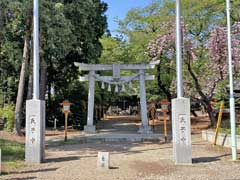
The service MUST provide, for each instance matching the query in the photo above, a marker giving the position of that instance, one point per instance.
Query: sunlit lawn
(12, 154)
(228, 130)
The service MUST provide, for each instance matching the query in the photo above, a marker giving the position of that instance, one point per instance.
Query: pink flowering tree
(218, 51)
(205, 64)
(163, 48)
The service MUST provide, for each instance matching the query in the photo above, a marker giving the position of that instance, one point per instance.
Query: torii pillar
(90, 128)
(92, 77)
(145, 128)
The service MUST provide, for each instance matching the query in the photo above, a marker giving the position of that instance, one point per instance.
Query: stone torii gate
(117, 80)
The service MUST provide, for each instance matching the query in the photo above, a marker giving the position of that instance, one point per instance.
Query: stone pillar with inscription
(181, 129)
(35, 131)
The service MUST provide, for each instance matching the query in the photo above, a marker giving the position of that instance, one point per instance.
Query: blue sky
(119, 8)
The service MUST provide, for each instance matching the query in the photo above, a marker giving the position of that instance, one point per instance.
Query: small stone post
(103, 160)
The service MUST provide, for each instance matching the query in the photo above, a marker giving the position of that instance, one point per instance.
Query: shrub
(7, 112)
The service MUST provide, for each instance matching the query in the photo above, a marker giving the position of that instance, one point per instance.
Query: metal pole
(179, 49)
(232, 101)
(36, 49)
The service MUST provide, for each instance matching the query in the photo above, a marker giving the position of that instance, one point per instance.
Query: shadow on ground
(112, 147)
(62, 159)
(26, 178)
(208, 159)
(37, 171)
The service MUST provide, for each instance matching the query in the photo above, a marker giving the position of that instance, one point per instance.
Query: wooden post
(218, 122)
(66, 110)
(164, 106)
(165, 125)
(66, 127)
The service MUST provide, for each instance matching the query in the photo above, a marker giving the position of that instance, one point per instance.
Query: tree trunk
(43, 80)
(210, 113)
(206, 100)
(161, 86)
(21, 86)
(30, 87)
(30, 79)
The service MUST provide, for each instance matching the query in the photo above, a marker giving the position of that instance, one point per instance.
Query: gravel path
(131, 161)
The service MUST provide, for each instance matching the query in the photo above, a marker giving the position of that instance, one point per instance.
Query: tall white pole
(35, 108)
(181, 124)
(179, 49)
(36, 49)
(232, 101)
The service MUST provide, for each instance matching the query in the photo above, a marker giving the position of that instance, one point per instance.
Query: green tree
(70, 31)
(140, 26)
(155, 23)
(199, 19)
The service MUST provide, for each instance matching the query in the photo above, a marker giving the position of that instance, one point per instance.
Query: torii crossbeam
(116, 79)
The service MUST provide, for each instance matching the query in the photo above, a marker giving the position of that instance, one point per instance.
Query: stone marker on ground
(35, 128)
(103, 160)
(181, 128)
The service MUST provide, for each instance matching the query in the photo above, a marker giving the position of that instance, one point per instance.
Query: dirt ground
(130, 160)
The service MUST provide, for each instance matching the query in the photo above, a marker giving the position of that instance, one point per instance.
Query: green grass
(12, 153)
(14, 164)
(228, 131)
(69, 142)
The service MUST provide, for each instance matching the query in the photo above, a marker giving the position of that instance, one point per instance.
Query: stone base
(181, 129)
(89, 129)
(222, 138)
(145, 130)
(35, 131)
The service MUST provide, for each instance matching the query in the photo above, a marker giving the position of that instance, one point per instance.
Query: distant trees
(70, 32)
(149, 34)
(204, 55)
